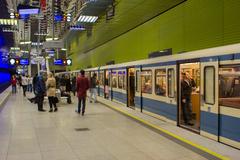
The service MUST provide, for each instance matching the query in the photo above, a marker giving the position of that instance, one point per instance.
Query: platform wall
(192, 25)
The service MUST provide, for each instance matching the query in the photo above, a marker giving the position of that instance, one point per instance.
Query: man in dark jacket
(186, 91)
(34, 83)
(40, 92)
(82, 87)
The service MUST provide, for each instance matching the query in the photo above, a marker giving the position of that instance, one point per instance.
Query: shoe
(90, 101)
(77, 111)
(42, 110)
(51, 110)
(190, 124)
(82, 113)
(55, 110)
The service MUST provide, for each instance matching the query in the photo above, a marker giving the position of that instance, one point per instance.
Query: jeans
(14, 89)
(81, 102)
(93, 94)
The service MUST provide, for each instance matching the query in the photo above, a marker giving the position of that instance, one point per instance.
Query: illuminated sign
(58, 18)
(28, 11)
(58, 62)
(63, 62)
(24, 62)
(21, 61)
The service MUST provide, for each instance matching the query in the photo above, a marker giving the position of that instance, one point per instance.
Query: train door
(189, 96)
(229, 105)
(107, 84)
(131, 87)
(209, 98)
(101, 83)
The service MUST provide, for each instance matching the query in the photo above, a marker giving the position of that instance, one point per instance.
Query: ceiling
(6, 39)
(128, 15)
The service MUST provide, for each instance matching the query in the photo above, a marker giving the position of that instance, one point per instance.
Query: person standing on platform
(40, 92)
(51, 92)
(74, 85)
(82, 87)
(68, 84)
(24, 84)
(93, 88)
(30, 84)
(14, 84)
(34, 82)
(186, 91)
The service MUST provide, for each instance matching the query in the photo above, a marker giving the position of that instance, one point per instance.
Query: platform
(102, 134)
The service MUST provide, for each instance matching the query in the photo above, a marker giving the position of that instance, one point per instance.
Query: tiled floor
(212, 145)
(26, 134)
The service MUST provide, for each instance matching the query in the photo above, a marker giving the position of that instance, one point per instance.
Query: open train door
(209, 122)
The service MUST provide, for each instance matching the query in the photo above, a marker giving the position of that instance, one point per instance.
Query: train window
(229, 86)
(114, 79)
(146, 81)
(101, 78)
(171, 83)
(160, 83)
(209, 85)
(121, 79)
(137, 81)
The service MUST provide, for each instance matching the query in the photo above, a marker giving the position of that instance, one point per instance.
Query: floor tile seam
(177, 137)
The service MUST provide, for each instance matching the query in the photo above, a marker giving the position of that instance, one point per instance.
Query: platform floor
(102, 134)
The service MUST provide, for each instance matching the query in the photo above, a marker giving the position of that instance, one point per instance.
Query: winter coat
(40, 87)
(51, 87)
(82, 86)
(14, 81)
(68, 85)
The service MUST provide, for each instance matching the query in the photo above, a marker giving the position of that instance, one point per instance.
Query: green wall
(193, 25)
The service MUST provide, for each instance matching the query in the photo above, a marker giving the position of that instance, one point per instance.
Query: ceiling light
(8, 22)
(28, 11)
(87, 19)
(27, 42)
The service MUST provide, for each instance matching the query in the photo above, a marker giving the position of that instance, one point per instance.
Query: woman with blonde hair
(51, 92)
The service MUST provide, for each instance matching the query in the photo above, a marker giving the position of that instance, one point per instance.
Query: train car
(155, 86)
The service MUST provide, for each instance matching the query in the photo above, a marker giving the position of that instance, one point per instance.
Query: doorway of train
(189, 96)
(131, 87)
(107, 80)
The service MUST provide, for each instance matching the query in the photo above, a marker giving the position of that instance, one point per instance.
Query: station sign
(20, 61)
(63, 62)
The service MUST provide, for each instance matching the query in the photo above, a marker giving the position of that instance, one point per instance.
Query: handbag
(55, 99)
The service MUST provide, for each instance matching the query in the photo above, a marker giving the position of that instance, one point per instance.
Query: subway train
(154, 86)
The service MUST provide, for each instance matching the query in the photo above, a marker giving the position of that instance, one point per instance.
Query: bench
(59, 98)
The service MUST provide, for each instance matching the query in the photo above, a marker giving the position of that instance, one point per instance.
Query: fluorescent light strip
(88, 18)
(84, 19)
(79, 19)
(28, 11)
(91, 19)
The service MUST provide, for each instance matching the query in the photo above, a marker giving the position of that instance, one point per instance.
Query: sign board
(53, 44)
(24, 62)
(58, 62)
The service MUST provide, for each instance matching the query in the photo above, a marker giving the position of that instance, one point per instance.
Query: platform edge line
(202, 148)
